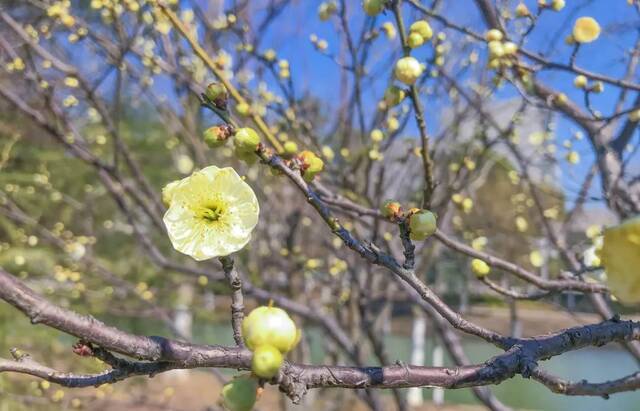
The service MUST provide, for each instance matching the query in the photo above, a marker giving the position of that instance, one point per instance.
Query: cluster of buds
(270, 333)
(422, 223)
(555, 5)
(318, 43)
(501, 53)
(310, 164)
(582, 82)
(419, 33)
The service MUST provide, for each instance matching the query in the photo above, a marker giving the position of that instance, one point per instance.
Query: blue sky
(619, 21)
(320, 76)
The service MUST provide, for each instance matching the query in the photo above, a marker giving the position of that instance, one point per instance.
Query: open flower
(211, 213)
(620, 256)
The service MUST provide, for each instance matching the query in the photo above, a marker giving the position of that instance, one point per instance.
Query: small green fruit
(422, 224)
(246, 140)
(266, 361)
(239, 394)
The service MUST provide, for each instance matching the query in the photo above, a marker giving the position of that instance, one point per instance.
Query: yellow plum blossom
(620, 256)
(211, 213)
(586, 30)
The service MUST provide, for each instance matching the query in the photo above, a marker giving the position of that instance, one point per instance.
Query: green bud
(246, 140)
(249, 158)
(217, 93)
(290, 148)
(311, 165)
(266, 361)
(393, 96)
(239, 394)
(373, 7)
(390, 209)
(216, 136)
(422, 224)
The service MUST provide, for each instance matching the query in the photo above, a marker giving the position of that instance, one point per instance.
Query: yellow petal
(621, 259)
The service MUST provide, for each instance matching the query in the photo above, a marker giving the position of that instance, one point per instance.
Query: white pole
(418, 332)
(438, 361)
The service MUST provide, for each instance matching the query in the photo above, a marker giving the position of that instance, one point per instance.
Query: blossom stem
(237, 299)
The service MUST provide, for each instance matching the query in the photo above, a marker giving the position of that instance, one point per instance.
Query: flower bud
(243, 109)
(407, 70)
(480, 268)
(496, 49)
(586, 30)
(391, 209)
(271, 326)
(422, 224)
(494, 35)
(389, 30)
(393, 96)
(557, 5)
(311, 165)
(580, 81)
(290, 148)
(376, 135)
(327, 9)
(635, 115)
(598, 87)
(422, 28)
(240, 394)
(373, 7)
(266, 361)
(415, 40)
(217, 93)
(522, 10)
(510, 48)
(217, 135)
(246, 140)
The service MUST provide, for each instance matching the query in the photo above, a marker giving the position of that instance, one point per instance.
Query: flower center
(212, 212)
